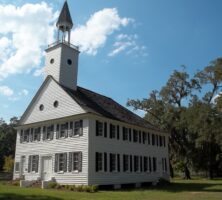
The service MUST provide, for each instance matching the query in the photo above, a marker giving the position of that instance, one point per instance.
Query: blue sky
(148, 40)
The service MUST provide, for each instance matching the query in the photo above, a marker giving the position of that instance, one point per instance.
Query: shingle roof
(96, 103)
(65, 17)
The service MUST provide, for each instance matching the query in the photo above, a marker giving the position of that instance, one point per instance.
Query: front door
(46, 168)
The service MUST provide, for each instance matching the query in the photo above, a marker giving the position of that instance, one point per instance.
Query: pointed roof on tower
(65, 17)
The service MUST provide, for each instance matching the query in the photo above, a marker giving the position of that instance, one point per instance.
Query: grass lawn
(198, 189)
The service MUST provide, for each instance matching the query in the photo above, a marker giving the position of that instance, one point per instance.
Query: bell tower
(61, 60)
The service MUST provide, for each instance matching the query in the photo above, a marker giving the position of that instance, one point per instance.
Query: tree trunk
(186, 173)
(171, 171)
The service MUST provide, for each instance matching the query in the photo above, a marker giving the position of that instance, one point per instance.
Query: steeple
(64, 23)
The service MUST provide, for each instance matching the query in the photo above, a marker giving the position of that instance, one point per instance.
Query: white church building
(72, 135)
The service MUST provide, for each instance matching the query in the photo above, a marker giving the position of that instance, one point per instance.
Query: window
(33, 163)
(160, 140)
(148, 138)
(63, 130)
(17, 167)
(157, 140)
(125, 133)
(164, 141)
(41, 107)
(144, 137)
(112, 131)
(140, 137)
(69, 61)
(75, 161)
(56, 104)
(136, 163)
(52, 61)
(99, 161)
(145, 164)
(153, 139)
(61, 162)
(125, 163)
(26, 135)
(154, 164)
(99, 128)
(135, 136)
(48, 132)
(35, 134)
(164, 164)
(112, 162)
(78, 129)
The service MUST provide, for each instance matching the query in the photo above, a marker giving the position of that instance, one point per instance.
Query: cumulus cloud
(6, 91)
(23, 32)
(93, 35)
(38, 72)
(128, 44)
(19, 95)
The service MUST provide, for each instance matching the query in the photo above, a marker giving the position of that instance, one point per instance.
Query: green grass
(198, 189)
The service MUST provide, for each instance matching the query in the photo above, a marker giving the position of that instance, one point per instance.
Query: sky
(128, 48)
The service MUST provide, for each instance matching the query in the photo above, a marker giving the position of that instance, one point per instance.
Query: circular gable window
(69, 61)
(56, 104)
(52, 61)
(41, 107)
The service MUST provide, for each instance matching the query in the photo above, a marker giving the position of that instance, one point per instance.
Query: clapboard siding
(43, 148)
(50, 93)
(101, 144)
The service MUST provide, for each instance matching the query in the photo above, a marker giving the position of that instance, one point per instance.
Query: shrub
(52, 185)
(79, 188)
(163, 182)
(93, 188)
(8, 164)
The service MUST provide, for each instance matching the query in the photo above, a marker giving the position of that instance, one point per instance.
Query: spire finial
(64, 23)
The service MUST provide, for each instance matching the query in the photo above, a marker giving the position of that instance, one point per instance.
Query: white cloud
(24, 92)
(23, 32)
(38, 72)
(129, 44)
(6, 91)
(93, 35)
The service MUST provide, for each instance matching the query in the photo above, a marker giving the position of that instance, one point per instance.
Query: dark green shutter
(70, 129)
(31, 135)
(110, 130)
(141, 163)
(118, 162)
(57, 131)
(140, 137)
(97, 166)
(110, 162)
(131, 163)
(29, 164)
(56, 162)
(37, 163)
(105, 129)
(66, 130)
(21, 136)
(44, 133)
(105, 162)
(65, 161)
(130, 135)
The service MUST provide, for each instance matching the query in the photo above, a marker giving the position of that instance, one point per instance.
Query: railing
(63, 42)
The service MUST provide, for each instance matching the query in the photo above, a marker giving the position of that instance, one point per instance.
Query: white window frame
(36, 134)
(116, 164)
(17, 167)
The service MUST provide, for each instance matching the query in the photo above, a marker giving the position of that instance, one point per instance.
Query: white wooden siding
(102, 144)
(50, 148)
(50, 93)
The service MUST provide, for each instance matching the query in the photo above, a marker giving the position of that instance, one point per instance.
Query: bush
(8, 164)
(163, 182)
(52, 185)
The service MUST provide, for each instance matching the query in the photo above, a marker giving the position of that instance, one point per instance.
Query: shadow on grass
(10, 196)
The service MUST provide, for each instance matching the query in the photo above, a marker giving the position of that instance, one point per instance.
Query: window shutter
(110, 131)
(110, 162)
(148, 135)
(44, 133)
(56, 162)
(131, 163)
(29, 164)
(70, 129)
(140, 137)
(65, 162)
(21, 136)
(150, 165)
(105, 129)
(165, 164)
(97, 166)
(37, 163)
(105, 162)
(130, 137)
(157, 140)
(123, 132)
(70, 161)
(67, 127)
(141, 163)
(164, 141)
(118, 162)
(80, 162)
(97, 127)
(52, 132)
(117, 132)
(57, 131)
(81, 128)
(31, 135)
(144, 137)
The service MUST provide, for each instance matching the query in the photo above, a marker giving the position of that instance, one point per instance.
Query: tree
(8, 164)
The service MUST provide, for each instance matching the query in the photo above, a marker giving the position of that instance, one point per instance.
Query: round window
(52, 61)
(41, 107)
(69, 61)
(56, 103)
